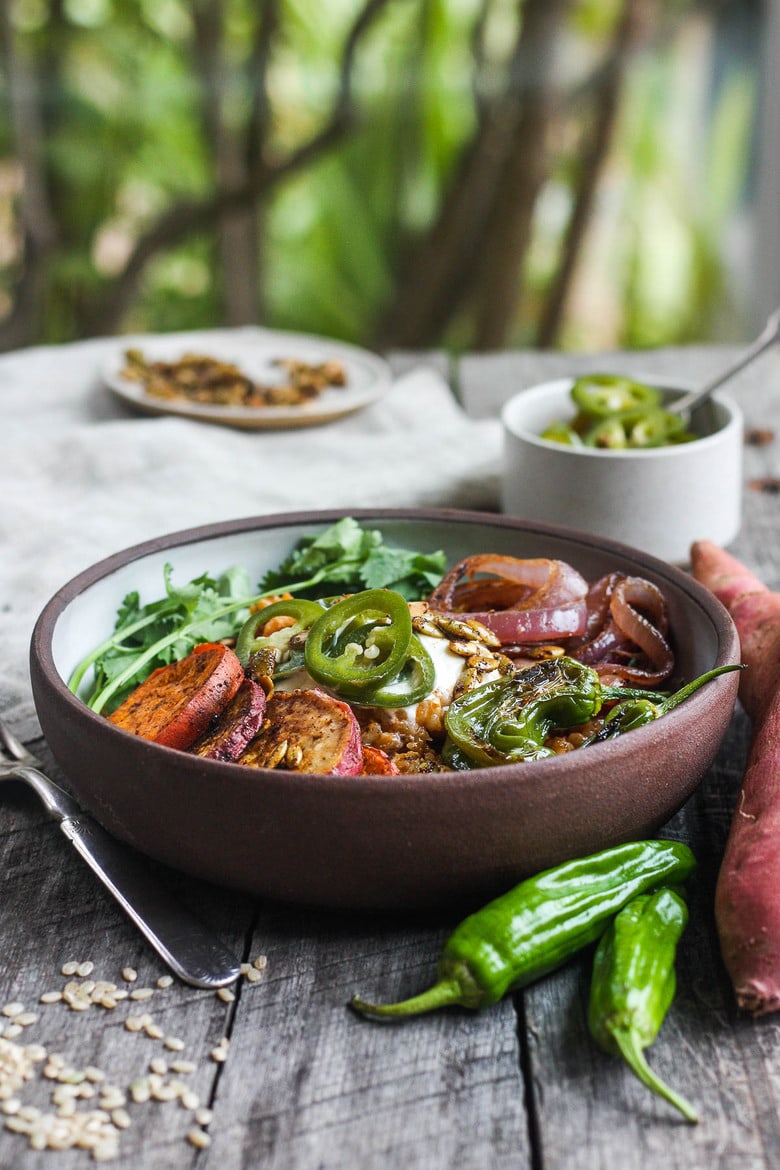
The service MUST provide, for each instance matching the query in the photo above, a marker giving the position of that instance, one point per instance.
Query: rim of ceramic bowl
(734, 423)
(41, 646)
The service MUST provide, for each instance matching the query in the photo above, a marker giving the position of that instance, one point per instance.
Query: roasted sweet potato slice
(378, 763)
(176, 704)
(307, 731)
(236, 726)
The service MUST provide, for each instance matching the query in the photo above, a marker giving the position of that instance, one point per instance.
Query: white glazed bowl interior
(659, 499)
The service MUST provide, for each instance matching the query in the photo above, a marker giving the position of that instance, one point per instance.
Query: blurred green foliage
(119, 95)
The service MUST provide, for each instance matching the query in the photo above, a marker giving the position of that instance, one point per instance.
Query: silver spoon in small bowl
(688, 402)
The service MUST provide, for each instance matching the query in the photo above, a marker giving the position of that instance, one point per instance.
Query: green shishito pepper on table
(634, 982)
(538, 925)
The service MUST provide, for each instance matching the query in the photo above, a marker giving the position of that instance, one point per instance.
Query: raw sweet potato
(176, 704)
(236, 726)
(747, 905)
(307, 731)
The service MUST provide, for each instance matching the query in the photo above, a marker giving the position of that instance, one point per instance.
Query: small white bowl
(659, 499)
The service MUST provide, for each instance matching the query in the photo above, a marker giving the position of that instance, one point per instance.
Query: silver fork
(192, 951)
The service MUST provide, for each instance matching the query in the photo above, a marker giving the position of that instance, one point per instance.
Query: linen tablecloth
(82, 475)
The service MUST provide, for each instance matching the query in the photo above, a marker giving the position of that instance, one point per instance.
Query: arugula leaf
(206, 609)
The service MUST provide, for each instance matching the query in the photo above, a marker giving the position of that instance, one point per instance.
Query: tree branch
(190, 216)
(595, 153)
(500, 269)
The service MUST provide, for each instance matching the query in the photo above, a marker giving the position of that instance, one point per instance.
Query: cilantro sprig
(344, 558)
(347, 557)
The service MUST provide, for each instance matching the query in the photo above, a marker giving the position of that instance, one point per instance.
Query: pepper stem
(442, 994)
(678, 697)
(635, 1059)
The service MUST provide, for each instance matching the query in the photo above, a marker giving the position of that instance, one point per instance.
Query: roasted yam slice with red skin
(307, 731)
(236, 726)
(378, 763)
(177, 703)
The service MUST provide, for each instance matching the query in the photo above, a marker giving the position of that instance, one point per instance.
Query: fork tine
(11, 744)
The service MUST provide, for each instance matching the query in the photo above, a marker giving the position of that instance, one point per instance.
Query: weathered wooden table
(306, 1084)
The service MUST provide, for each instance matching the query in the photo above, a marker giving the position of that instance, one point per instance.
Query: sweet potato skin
(235, 727)
(307, 731)
(755, 611)
(747, 905)
(176, 703)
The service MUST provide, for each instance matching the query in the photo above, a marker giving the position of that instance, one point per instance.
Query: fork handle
(189, 948)
(55, 800)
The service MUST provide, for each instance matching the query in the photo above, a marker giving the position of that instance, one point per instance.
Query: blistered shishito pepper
(634, 983)
(508, 719)
(539, 924)
(634, 712)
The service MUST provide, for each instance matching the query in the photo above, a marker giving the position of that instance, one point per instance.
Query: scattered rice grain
(140, 1090)
(173, 1044)
(13, 1009)
(198, 1138)
(129, 974)
(142, 993)
(70, 968)
(226, 995)
(51, 997)
(165, 981)
(85, 968)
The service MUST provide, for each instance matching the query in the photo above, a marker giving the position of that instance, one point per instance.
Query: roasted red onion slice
(532, 600)
(628, 618)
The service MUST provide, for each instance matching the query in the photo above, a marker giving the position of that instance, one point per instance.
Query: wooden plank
(330, 1089)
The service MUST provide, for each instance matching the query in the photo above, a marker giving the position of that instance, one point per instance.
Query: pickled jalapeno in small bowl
(605, 454)
(615, 413)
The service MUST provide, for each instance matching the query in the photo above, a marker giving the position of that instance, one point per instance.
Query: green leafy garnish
(206, 609)
(345, 558)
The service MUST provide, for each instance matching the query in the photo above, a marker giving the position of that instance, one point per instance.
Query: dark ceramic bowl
(376, 842)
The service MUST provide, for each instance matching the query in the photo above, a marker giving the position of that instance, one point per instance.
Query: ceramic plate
(368, 376)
